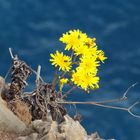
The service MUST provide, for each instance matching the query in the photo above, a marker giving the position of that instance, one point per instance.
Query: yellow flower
(101, 56)
(91, 42)
(61, 60)
(73, 39)
(88, 64)
(76, 78)
(89, 81)
(86, 51)
(62, 82)
(81, 50)
(84, 60)
(85, 80)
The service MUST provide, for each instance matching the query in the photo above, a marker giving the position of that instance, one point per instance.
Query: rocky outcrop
(51, 130)
(9, 121)
(17, 125)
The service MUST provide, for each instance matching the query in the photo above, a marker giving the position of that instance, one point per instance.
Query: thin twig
(37, 84)
(37, 90)
(102, 103)
(106, 106)
(126, 92)
(112, 100)
(62, 75)
(11, 54)
(93, 103)
(7, 73)
(68, 92)
(54, 79)
(57, 76)
(72, 55)
(28, 94)
(123, 98)
(129, 110)
(38, 75)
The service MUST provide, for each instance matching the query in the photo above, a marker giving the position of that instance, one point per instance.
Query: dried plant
(79, 70)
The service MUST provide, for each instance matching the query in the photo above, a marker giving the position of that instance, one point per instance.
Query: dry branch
(44, 97)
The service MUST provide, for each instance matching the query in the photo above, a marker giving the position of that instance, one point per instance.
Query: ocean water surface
(32, 29)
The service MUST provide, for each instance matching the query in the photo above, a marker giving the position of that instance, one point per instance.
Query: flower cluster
(82, 65)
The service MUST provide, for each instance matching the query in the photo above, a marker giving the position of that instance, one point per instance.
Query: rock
(4, 88)
(21, 110)
(54, 136)
(8, 136)
(49, 136)
(46, 129)
(72, 129)
(64, 131)
(69, 129)
(61, 136)
(94, 136)
(33, 136)
(41, 127)
(2, 83)
(8, 121)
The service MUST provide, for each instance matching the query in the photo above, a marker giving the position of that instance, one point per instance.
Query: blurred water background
(33, 27)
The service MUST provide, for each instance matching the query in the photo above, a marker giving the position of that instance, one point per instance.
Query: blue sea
(32, 29)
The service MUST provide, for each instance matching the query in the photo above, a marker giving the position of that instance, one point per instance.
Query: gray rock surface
(72, 129)
(51, 130)
(8, 121)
